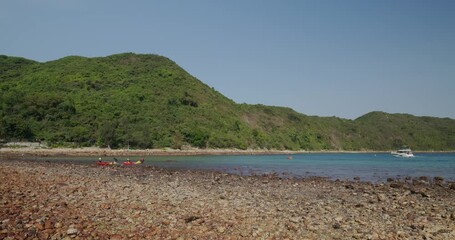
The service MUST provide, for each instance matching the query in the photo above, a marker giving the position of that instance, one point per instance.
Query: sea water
(344, 166)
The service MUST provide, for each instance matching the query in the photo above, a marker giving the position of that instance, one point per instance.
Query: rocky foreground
(40, 200)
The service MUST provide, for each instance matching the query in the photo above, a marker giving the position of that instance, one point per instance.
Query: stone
(291, 227)
(424, 194)
(116, 237)
(295, 219)
(359, 205)
(39, 226)
(423, 178)
(382, 197)
(191, 218)
(438, 179)
(400, 233)
(373, 236)
(47, 224)
(72, 231)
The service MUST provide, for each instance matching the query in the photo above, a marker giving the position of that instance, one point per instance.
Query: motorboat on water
(407, 153)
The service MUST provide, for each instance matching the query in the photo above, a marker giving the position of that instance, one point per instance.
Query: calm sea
(368, 166)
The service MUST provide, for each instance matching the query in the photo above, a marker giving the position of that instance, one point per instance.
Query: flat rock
(72, 231)
(295, 219)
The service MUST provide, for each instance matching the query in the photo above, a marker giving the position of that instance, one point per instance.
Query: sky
(325, 58)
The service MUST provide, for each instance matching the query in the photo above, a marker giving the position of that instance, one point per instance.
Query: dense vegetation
(148, 101)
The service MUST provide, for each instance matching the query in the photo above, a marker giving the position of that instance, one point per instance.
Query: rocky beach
(49, 200)
(95, 151)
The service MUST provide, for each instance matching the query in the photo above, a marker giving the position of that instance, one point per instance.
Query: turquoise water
(367, 166)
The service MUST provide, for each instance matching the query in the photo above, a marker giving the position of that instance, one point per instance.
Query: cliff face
(148, 101)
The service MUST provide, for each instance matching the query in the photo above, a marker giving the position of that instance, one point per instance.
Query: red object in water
(100, 163)
(127, 163)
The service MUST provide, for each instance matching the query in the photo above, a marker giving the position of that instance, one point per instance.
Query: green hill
(148, 101)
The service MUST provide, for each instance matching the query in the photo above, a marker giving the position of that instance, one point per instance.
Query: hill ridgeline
(148, 101)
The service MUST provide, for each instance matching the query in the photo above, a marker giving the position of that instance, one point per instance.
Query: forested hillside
(148, 101)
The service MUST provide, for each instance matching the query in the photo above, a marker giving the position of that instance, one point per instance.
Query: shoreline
(64, 200)
(93, 151)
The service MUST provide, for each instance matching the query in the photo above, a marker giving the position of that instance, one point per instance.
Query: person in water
(139, 161)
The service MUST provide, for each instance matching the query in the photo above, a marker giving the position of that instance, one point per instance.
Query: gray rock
(382, 197)
(295, 219)
(438, 179)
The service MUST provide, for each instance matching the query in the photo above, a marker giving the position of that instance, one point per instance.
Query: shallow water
(344, 166)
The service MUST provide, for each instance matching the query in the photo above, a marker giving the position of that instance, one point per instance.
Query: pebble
(72, 231)
(116, 237)
(295, 219)
(47, 224)
(382, 197)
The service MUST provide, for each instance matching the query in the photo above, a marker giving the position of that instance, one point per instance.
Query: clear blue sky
(326, 58)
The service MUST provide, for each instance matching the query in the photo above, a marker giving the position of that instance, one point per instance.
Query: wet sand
(48, 200)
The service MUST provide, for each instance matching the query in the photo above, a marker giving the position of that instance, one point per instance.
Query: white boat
(407, 153)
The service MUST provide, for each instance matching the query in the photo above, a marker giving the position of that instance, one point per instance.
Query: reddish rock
(116, 237)
(48, 224)
(39, 226)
